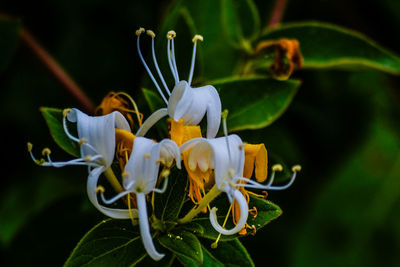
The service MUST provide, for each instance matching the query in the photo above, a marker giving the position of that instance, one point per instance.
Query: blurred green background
(342, 127)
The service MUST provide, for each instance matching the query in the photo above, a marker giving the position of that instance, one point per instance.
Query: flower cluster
(213, 164)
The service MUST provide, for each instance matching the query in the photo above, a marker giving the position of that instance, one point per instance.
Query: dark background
(343, 127)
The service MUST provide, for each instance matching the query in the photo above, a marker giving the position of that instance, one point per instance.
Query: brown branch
(277, 13)
(60, 74)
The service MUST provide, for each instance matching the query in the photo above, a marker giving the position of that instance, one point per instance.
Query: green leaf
(240, 21)
(325, 45)
(54, 120)
(232, 253)
(215, 57)
(266, 212)
(183, 244)
(9, 36)
(108, 243)
(262, 100)
(208, 260)
(153, 100)
(169, 204)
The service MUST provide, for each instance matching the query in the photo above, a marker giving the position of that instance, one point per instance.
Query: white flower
(226, 156)
(140, 177)
(96, 137)
(185, 102)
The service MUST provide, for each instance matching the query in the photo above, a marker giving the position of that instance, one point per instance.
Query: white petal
(99, 132)
(143, 165)
(244, 213)
(227, 159)
(213, 112)
(91, 190)
(170, 151)
(180, 100)
(150, 121)
(145, 229)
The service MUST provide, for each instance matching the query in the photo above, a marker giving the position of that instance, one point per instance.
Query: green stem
(113, 180)
(210, 196)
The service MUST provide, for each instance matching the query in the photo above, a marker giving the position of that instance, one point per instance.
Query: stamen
(65, 112)
(277, 168)
(138, 33)
(215, 244)
(46, 151)
(165, 173)
(147, 155)
(152, 35)
(88, 158)
(194, 40)
(296, 168)
(173, 54)
(82, 141)
(254, 229)
(224, 115)
(30, 146)
(170, 60)
(100, 189)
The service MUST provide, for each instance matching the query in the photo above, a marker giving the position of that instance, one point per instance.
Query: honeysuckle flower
(198, 177)
(227, 157)
(140, 177)
(185, 102)
(96, 137)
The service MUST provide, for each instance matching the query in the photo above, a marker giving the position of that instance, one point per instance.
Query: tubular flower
(227, 157)
(185, 102)
(140, 177)
(197, 175)
(96, 137)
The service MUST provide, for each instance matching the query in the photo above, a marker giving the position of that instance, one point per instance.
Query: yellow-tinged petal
(124, 143)
(256, 156)
(180, 133)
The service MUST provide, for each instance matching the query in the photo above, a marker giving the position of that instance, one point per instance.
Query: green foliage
(262, 100)
(54, 120)
(183, 244)
(109, 242)
(325, 45)
(9, 36)
(240, 21)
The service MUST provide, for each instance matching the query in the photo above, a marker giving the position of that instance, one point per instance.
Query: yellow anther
(140, 31)
(147, 155)
(100, 189)
(224, 114)
(88, 158)
(165, 173)
(82, 141)
(296, 168)
(214, 245)
(231, 172)
(151, 33)
(171, 35)
(254, 229)
(277, 168)
(162, 161)
(197, 37)
(30, 146)
(46, 151)
(125, 174)
(66, 111)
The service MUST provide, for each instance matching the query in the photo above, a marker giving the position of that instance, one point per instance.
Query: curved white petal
(180, 100)
(91, 190)
(213, 112)
(150, 121)
(99, 132)
(169, 152)
(145, 229)
(244, 213)
(228, 158)
(191, 104)
(142, 166)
